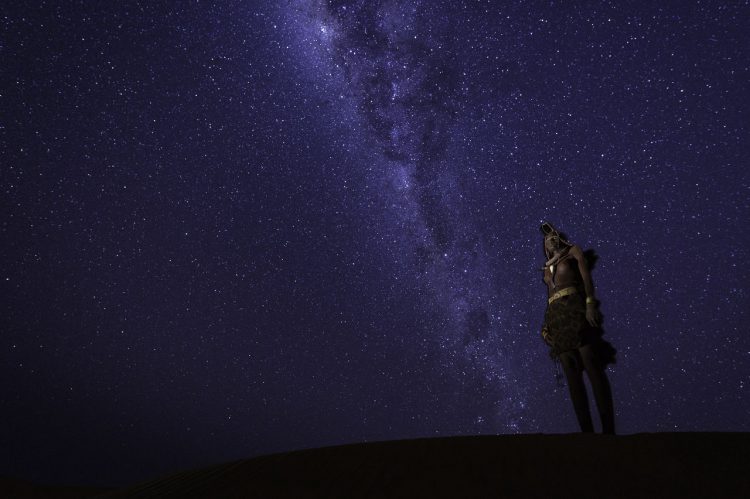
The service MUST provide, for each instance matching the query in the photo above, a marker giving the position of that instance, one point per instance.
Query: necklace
(552, 262)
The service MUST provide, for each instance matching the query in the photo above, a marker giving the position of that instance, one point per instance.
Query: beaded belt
(561, 293)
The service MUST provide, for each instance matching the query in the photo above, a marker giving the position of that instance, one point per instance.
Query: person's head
(554, 240)
(552, 243)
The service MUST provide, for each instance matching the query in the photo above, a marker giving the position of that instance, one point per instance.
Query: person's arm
(592, 313)
(545, 331)
(545, 335)
(588, 284)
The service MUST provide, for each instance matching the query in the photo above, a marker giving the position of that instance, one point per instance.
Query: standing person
(572, 327)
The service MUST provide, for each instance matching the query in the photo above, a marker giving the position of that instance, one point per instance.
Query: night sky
(237, 228)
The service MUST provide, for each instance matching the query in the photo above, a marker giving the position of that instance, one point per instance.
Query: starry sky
(237, 228)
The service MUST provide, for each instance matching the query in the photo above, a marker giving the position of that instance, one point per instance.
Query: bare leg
(571, 362)
(601, 388)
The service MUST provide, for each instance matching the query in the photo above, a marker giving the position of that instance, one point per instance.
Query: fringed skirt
(568, 329)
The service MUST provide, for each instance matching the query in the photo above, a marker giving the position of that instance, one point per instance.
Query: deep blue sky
(237, 228)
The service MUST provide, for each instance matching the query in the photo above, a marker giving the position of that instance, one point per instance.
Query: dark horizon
(667, 464)
(242, 228)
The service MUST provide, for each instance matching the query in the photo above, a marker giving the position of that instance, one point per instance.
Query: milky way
(392, 60)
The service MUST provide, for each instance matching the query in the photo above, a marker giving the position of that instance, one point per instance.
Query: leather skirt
(568, 329)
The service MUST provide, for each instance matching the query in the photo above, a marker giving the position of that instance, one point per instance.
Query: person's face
(552, 243)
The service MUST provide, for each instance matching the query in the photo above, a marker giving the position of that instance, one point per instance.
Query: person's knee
(590, 358)
(571, 362)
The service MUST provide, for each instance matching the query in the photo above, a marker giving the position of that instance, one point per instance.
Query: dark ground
(705, 464)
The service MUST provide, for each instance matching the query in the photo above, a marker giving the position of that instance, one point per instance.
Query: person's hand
(593, 315)
(545, 335)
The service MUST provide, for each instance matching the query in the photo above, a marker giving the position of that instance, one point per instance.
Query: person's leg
(571, 362)
(601, 388)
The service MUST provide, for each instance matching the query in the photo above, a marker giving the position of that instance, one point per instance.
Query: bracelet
(590, 299)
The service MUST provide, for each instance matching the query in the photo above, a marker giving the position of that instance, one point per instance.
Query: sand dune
(715, 465)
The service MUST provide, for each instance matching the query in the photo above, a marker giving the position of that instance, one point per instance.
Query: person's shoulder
(576, 251)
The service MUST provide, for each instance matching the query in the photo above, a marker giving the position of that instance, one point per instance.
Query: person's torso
(566, 274)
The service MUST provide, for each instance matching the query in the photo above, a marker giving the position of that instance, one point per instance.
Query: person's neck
(556, 255)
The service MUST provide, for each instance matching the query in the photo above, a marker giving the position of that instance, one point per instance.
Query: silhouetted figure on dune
(572, 327)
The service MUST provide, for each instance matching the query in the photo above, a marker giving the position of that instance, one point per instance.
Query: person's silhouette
(572, 327)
